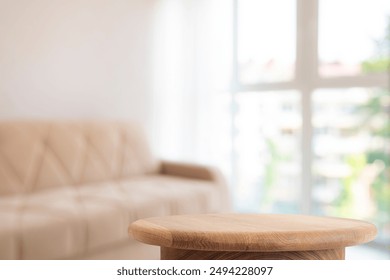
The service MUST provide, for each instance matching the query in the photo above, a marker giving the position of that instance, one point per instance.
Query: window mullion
(306, 77)
(307, 44)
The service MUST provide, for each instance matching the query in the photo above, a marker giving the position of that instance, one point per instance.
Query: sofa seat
(68, 222)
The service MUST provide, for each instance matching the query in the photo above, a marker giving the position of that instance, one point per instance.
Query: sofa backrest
(36, 155)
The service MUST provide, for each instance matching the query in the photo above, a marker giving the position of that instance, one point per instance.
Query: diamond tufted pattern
(41, 155)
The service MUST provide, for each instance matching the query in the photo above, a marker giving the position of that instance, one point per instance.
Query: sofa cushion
(70, 221)
(36, 155)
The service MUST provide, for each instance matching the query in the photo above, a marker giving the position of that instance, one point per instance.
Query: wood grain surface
(252, 232)
(182, 254)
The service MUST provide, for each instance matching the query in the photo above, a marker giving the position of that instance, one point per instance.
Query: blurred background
(289, 98)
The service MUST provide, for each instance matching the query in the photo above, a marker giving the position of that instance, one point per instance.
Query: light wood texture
(182, 254)
(320, 237)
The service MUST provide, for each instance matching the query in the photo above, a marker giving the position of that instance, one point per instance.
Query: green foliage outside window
(376, 119)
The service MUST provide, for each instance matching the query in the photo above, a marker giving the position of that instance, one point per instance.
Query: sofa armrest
(192, 171)
(199, 172)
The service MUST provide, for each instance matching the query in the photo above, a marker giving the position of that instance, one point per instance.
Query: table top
(252, 232)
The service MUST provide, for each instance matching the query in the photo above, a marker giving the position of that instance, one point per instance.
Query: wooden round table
(252, 236)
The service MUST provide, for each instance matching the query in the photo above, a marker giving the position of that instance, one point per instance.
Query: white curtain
(191, 59)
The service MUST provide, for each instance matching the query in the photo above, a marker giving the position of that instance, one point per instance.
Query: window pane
(266, 40)
(352, 37)
(352, 160)
(267, 147)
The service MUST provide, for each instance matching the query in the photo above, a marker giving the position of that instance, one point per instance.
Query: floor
(364, 252)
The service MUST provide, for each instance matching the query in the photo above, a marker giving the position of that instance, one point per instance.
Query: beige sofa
(69, 190)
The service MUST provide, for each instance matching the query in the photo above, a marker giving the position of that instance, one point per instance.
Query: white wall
(75, 59)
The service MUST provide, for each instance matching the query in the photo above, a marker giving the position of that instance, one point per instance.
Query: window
(350, 161)
(266, 54)
(268, 158)
(311, 105)
(351, 40)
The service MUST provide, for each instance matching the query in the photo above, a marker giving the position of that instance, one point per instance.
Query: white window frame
(306, 81)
